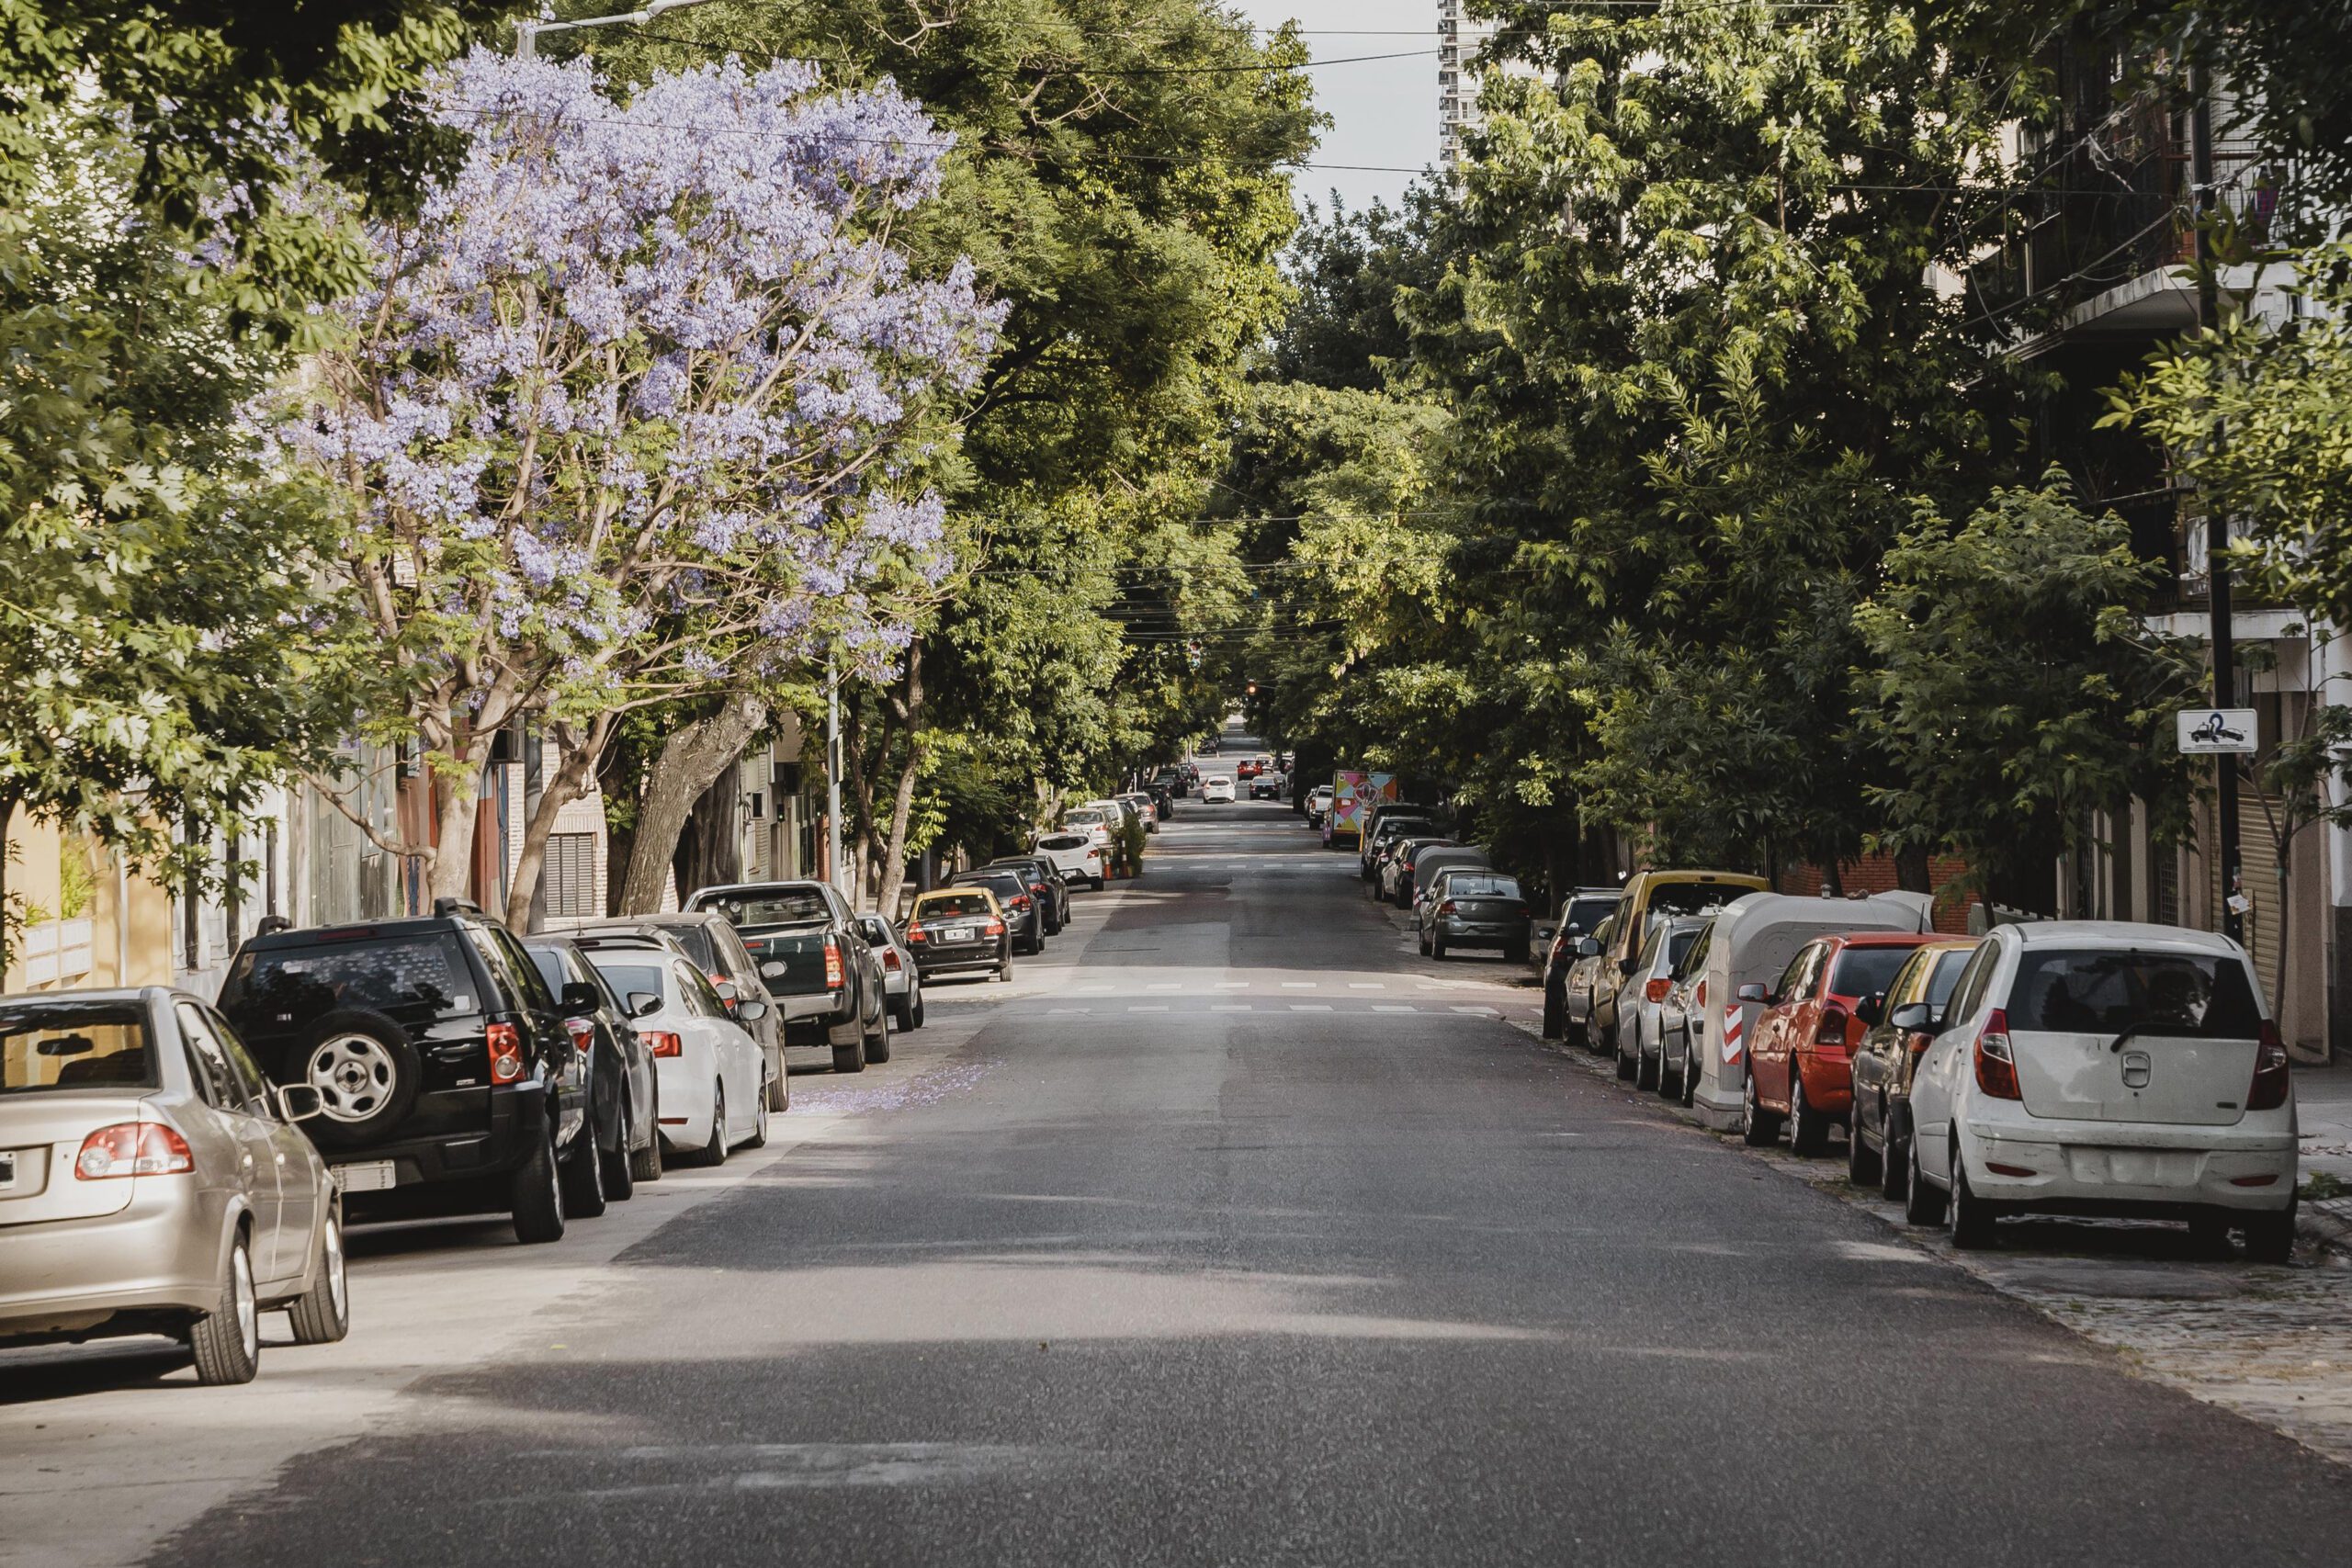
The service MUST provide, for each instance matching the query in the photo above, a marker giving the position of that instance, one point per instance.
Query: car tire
(1808, 1128)
(1553, 1022)
(367, 1070)
(851, 1058)
(584, 1174)
(1437, 946)
(619, 1181)
(226, 1341)
(1923, 1201)
(1004, 968)
(759, 1138)
(714, 1153)
(1758, 1126)
(1690, 1079)
(914, 1013)
(1095, 884)
(322, 1315)
(2270, 1238)
(1970, 1217)
(1893, 1162)
(1647, 1069)
(1628, 1069)
(645, 1164)
(536, 1197)
(877, 1049)
(1863, 1164)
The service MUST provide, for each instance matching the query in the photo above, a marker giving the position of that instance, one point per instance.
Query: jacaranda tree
(642, 395)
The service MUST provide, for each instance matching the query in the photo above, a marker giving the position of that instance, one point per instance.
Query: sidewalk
(2324, 1114)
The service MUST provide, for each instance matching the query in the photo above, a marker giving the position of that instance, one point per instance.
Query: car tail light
(716, 978)
(505, 1052)
(1998, 1168)
(835, 976)
(1656, 990)
(1038, 889)
(890, 959)
(2267, 1180)
(1996, 1063)
(660, 1042)
(1094, 853)
(915, 933)
(994, 927)
(1021, 900)
(134, 1148)
(1446, 908)
(2269, 1089)
(1831, 1029)
(582, 1032)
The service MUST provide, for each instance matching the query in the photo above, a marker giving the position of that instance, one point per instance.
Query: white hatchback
(1075, 855)
(1216, 789)
(710, 1074)
(2105, 1069)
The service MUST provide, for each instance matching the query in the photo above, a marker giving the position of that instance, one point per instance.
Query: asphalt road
(1234, 1233)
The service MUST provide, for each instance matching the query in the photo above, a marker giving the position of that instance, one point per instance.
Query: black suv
(451, 1083)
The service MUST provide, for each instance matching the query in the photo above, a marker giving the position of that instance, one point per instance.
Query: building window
(570, 875)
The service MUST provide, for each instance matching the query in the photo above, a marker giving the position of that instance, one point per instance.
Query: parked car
(1146, 809)
(447, 1078)
(1397, 867)
(1581, 913)
(1046, 885)
(1641, 1000)
(624, 1100)
(710, 1070)
(1593, 978)
(1096, 825)
(1391, 831)
(1648, 894)
(1426, 865)
(152, 1181)
(813, 961)
(1319, 804)
(1422, 821)
(2106, 1068)
(1902, 1022)
(1162, 791)
(1474, 907)
(1216, 790)
(715, 941)
(1682, 1020)
(1799, 1065)
(1267, 786)
(1248, 767)
(954, 930)
(902, 977)
(1019, 906)
(1075, 855)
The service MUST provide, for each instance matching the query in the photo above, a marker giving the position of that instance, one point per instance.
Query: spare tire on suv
(367, 1072)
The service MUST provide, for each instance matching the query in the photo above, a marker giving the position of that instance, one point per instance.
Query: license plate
(7, 1171)
(957, 934)
(369, 1175)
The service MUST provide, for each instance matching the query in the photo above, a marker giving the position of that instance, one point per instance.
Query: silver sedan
(153, 1181)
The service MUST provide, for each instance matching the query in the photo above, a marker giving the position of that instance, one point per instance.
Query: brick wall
(1875, 873)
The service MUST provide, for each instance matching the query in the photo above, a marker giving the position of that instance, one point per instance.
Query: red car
(1799, 1066)
(1247, 770)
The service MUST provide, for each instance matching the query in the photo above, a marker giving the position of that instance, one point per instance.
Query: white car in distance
(1074, 854)
(709, 1072)
(1217, 790)
(2105, 1069)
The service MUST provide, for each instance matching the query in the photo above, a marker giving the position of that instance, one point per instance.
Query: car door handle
(281, 1160)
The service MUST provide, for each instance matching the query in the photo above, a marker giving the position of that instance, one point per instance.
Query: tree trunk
(567, 783)
(456, 799)
(693, 757)
(894, 860)
(1911, 873)
(710, 847)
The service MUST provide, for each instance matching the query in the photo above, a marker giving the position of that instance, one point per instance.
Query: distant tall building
(1459, 40)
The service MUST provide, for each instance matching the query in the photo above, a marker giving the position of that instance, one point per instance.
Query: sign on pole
(2212, 732)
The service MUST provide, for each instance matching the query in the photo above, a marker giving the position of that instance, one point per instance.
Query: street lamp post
(526, 34)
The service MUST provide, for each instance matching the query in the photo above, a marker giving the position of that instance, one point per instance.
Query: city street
(1232, 1231)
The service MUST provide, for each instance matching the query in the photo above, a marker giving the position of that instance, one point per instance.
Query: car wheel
(1437, 946)
(759, 1138)
(645, 1164)
(1808, 1128)
(1758, 1126)
(1923, 1201)
(583, 1175)
(620, 1184)
(1094, 883)
(226, 1341)
(1862, 1162)
(1552, 1023)
(1628, 1069)
(1421, 939)
(1970, 1217)
(2270, 1238)
(1647, 1069)
(1669, 1085)
(1004, 968)
(1894, 1161)
(878, 1048)
(851, 1058)
(322, 1315)
(537, 1196)
(714, 1153)
(914, 1013)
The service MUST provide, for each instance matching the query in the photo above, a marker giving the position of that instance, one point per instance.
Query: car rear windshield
(1004, 884)
(625, 976)
(1478, 885)
(2204, 995)
(949, 905)
(410, 978)
(79, 1046)
(1063, 842)
(1866, 970)
(1586, 914)
(1690, 897)
(1084, 819)
(778, 907)
(696, 941)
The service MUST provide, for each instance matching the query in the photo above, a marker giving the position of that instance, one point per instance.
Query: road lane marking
(1156, 1007)
(1230, 1007)
(1298, 985)
(1165, 985)
(1070, 1010)
(1233, 984)
(1367, 985)
(1482, 1013)
(1310, 1006)
(1393, 1006)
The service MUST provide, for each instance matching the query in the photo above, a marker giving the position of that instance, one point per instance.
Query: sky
(1383, 112)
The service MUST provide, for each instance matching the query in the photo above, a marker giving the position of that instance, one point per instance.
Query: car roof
(719, 889)
(365, 930)
(2120, 935)
(1882, 938)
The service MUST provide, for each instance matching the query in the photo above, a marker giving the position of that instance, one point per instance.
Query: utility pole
(2217, 517)
(833, 779)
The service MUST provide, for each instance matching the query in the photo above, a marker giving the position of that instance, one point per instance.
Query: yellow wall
(129, 915)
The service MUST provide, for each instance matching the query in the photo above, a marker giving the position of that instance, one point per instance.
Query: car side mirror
(750, 1012)
(727, 991)
(644, 1004)
(580, 997)
(1754, 993)
(1588, 948)
(1915, 1018)
(1872, 1009)
(299, 1101)
(773, 969)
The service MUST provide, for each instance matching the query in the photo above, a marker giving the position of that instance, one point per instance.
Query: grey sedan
(1473, 907)
(153, 1181)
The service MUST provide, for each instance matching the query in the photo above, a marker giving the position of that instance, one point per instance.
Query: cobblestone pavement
(2273, 1345)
